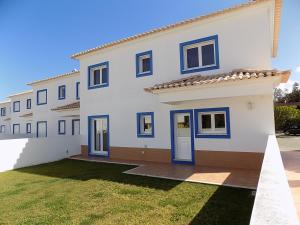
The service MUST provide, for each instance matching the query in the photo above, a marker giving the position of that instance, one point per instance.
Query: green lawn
(78, 192)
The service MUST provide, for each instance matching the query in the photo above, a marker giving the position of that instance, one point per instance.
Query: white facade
(5, 117)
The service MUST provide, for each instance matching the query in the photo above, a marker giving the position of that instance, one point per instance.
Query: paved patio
(209, 175)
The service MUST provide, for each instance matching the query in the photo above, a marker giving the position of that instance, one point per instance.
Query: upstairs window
(41, 97)
(3, 111)
(77, 90)
(199, 55)
(144, 64)
(16, 106)
(212, 123)
(145, 124)
(61, 92)
(61, 127)
(28, 103)
(98, 75)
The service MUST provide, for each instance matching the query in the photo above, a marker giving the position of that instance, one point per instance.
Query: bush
(286, 116)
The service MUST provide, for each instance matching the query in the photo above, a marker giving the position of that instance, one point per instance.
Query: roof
(21, 93)
(75, 105)
(5, 102)
(55, 77)
(277, 15)
(235, 75)
(27, 115)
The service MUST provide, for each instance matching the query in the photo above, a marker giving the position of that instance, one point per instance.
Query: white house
(196, 92)
(5, 117)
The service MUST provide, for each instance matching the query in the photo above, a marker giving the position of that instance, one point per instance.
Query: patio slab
(232, 177)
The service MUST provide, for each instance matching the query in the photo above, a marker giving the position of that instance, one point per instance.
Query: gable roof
(235, 75)
(63, 75)
(21, 93)
(277, 16)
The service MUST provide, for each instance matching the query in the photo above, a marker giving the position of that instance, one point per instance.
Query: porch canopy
(241, 82)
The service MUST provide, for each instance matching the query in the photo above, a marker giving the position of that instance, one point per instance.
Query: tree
(285, 116)
(279, 95)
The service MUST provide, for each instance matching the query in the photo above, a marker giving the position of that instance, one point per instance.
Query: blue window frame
(212, 123)
(77, 90)
(98, 75)
(16, 106)
(40, 132)
(2, 129)
(3, 111)
(16, 128)
(145, 124)
(73, 125)
(199, 55)
(61, 92)
(28, 103)
(28, 128)
(41, 97)
(61, 127)
(144, 64)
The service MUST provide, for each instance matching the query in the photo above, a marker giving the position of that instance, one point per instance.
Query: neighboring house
(196, 92)
(5, 117)
(21, 113)
(56, 105)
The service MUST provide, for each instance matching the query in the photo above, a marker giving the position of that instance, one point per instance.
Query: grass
(78, 192)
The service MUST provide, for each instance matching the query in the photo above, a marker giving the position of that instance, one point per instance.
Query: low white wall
(273, 202)
(14, 136)
(17, 153)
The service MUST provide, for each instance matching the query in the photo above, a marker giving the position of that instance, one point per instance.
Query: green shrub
(285, 116)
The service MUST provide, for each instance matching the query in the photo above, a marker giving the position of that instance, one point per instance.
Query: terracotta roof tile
(75, 105)
(235, 75)
(27, 115)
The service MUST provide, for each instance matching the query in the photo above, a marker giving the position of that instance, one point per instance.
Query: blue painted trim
(73, 121)
(16, 124)
(89, 78)
(65, 93)
(139, 134)
(14, 106)
(219, 109)
(137, 62)
(77, 90)
(28, 103)
(59, 127)
(37, 128)
(37, 97)
(90, 118)
(172, 114)
(181, 49)
(3, 111)
(28, 128)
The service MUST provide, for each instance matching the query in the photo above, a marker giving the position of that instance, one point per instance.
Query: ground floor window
(2, 129)
(212, 123)
(41, 129)
(61, 127)
(28, 128)
(16, 128)
(145, 124)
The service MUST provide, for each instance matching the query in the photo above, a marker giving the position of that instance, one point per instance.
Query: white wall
(3, 119)
(17, 153)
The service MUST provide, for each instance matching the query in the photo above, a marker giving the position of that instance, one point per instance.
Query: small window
(61, 92)
(199, 55)
(16, 106)
(77, 90)
(41, 97)
(16, 128)
(2, 129)
(61, 127)
(212, 123)
(41, 129)
(144, 64)
(28, 128)
(98, 75)
(28, 103)
(145, 124)
(3, 111)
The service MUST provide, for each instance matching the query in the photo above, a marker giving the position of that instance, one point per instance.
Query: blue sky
(38, 37)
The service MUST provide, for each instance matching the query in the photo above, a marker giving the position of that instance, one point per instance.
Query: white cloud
(288, 85)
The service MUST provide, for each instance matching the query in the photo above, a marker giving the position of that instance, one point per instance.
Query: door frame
(172, 114)
(73, 122)
(90, 118)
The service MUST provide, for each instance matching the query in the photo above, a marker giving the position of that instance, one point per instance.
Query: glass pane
(183, 125)
(104, 76)
(96, 77)
(146, 64)
(146, 124)
(208, 57)
(206, 121)
(220, 120)
(97, 137)
(105, 135)
(192, 57)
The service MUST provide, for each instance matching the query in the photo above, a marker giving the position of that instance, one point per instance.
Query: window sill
(206, 135)
(149, 73)
(145, 135)
(199, 69)
(98, 86)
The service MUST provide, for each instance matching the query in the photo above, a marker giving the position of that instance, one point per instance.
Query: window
(199, 55)
(41, 96)
(16, 128)
(3, 111)
(145, 124)
(61, 127)
(212, 123)
(61, 92)
(98, 75)
(144, 64)
(41, 129)
(2, 129)
(28, 128)
(16, 106)
(28, 103)
(77, 90)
